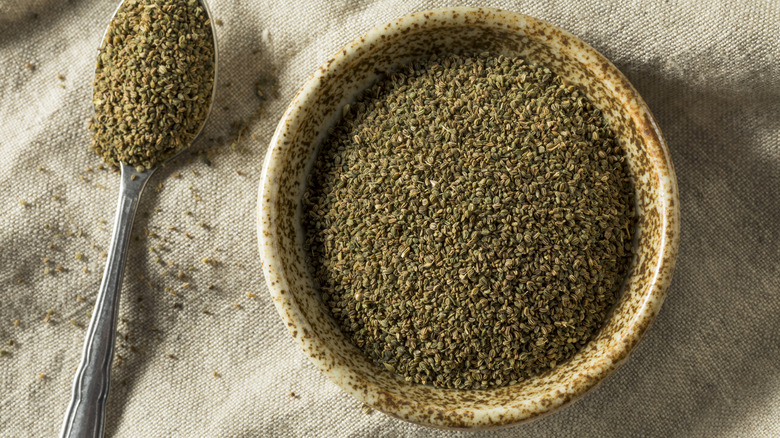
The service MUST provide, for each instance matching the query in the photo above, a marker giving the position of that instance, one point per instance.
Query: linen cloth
(218, 362)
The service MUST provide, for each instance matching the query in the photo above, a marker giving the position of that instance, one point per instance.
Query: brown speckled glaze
(316, 108)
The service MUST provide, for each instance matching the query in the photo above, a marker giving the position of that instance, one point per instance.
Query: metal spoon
(86, 411)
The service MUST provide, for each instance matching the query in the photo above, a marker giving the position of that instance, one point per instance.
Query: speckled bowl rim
(663, 267)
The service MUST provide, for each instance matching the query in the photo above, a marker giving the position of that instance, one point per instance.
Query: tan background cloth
(710, 365)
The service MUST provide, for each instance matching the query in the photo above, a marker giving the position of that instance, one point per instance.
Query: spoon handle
(85, 414)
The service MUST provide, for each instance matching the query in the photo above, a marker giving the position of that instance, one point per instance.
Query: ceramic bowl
(316, 108)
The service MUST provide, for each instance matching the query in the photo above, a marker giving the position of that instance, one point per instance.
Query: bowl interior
(319, 105)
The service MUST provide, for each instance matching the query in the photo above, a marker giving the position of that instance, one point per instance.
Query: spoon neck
(133, 182)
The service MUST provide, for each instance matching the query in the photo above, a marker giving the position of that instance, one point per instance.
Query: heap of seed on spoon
(469, 221)
(153, 82)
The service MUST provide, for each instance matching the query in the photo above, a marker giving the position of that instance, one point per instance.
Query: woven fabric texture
(213, 359)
